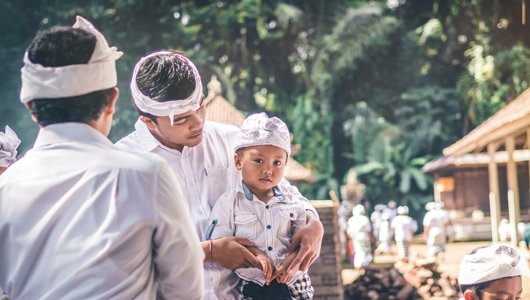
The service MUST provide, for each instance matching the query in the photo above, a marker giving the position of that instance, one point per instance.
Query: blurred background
(380, 87)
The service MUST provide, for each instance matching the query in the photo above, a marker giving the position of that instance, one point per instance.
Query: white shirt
(404, 227)
(205, 172)
(359, 227)
(81, 219)
(270, 226)
(436, 220)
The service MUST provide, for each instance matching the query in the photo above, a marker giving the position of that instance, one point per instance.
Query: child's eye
(259, 160)
(277, 163)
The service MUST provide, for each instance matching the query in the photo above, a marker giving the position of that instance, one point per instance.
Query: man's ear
(237, 161)
(113, 97)
(470, 295)
(148, 122)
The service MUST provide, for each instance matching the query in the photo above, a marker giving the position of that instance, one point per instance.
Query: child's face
(509, 288)
(261, 167)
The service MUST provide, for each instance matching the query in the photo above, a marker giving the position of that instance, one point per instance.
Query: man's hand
(231, 253)
(282, 274)
(306, 244)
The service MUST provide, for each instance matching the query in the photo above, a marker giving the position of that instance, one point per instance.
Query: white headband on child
(9, 143)
(167, 108)
(73, 80)
(259, 129)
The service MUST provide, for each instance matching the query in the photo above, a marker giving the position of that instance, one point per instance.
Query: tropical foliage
(379, 86)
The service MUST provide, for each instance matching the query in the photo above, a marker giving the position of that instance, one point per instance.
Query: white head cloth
(489, 263)
(73, 80)
(9, 143)
(259, 129)
(402, 210)
(167, 108)
(358, 210)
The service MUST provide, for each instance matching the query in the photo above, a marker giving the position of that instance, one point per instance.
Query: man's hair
(58, 47)
(477, 288)
(165, 77)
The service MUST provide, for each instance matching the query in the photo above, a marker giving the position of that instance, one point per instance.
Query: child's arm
(267, 266)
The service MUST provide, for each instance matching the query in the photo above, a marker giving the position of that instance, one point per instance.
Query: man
(9, 143)
(79, 218)
(492, 272)
(403, 228)
(167, 92)
(360, 230)
(435, 222)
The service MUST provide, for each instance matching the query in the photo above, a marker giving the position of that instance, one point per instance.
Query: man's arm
(221, 246)
(178, 256)
(307, 241)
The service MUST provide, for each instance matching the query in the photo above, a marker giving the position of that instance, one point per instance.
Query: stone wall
(326, 271)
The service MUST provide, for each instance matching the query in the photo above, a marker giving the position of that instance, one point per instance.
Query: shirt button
(269, 248)
(292, 215)
(266, 206)
(269, 226)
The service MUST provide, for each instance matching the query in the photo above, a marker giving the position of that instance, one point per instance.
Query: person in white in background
(403, 228)
(385, 235)
(376, 219)
(491, 273)
(167, 92)
(435, 223)
(9, 143)
(391, 209)
(80, 218)
(263, 211)
(504, 230)
(360, 231)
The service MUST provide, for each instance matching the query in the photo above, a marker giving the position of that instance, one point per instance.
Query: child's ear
(237, 161)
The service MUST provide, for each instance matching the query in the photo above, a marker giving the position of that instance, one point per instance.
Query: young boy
(264, 211)
(492, 272)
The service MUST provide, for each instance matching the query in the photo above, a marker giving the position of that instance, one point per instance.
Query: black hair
(477, 288)
(63, 46)
(165, 77)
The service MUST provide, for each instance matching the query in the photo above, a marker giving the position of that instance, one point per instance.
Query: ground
(454, 254)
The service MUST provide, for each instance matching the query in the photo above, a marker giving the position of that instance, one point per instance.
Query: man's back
(81, 220)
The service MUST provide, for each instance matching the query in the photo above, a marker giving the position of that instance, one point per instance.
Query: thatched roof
(218, 109)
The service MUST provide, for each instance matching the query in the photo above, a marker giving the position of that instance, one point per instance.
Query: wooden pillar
(513, 190)
(494, 194)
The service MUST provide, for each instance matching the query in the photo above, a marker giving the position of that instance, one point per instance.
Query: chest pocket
(219, 180)
(286, 221)
(245, 225)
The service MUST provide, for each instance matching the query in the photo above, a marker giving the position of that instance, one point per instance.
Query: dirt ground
(454, 254)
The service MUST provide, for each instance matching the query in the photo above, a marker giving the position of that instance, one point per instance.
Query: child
(261, 209)
(492, 272)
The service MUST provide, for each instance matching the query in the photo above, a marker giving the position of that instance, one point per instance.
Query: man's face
(262, 167)
(187, 129)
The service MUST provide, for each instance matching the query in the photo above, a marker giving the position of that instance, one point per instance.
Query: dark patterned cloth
(301, 289)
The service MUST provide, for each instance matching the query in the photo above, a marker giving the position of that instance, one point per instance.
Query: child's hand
(283, 274)
(267, 266)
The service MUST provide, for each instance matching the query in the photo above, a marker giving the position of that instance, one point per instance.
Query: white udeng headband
(73, 80)
(167, 108)
(258, 129)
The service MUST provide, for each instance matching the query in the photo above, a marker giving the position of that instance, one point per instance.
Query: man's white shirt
(82, 219)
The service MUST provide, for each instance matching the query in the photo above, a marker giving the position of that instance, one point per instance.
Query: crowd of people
(390, 224)
(170, 211)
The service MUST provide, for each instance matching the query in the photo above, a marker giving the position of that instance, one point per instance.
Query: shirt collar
(147, 141)
(74, 132)
(249, 196)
